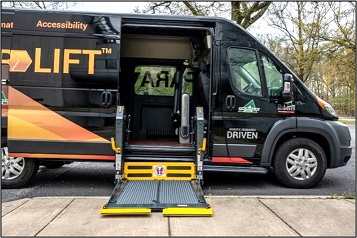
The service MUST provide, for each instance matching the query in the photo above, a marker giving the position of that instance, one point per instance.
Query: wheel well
(319, 139)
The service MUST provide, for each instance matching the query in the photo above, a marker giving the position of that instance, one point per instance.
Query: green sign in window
(159, 81)
(154, 80)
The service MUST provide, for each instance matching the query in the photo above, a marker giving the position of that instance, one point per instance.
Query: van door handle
(109, 99)
(227, 102)
(106, 98)
(230, 102)
(233, 102)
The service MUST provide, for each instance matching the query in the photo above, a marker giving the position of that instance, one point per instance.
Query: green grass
(349, 195)
(347, 121)
(345, 195)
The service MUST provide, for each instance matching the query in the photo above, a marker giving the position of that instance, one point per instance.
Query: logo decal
(287, 108)
(159, 170)
(19, 60)
(249, 108)
(242, 133)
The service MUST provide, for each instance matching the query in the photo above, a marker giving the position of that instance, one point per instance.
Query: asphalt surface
(96, 179)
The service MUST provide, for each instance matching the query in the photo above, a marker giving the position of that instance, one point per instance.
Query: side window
(273, 76)
(244, 70)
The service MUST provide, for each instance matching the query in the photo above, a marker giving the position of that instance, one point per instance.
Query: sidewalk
(232, 216)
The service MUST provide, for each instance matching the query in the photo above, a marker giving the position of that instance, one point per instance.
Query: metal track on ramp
(138, 192)
(174, 198)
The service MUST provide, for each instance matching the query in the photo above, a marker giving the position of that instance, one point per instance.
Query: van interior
(164, 76)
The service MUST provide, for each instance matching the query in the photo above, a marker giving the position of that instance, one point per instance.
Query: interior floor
(159, 142)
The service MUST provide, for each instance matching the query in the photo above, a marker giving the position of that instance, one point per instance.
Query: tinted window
(273, 76)
(245, 71)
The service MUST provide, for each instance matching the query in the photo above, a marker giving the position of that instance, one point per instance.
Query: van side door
(249, 83)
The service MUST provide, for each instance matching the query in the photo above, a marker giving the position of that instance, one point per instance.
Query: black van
(135, 88)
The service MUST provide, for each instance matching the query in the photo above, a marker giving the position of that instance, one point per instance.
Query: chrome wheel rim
(301, 164)
(12, 167)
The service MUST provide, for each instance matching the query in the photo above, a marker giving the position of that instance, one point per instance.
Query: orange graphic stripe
(63, 156)
(28, 119)
(4, 110)
(237, 160)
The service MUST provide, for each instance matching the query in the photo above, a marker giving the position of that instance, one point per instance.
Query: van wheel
(16, 171)
(300, 163)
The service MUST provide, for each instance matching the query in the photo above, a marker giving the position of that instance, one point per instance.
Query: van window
(273, 76)
(245, 71)
(154, 80)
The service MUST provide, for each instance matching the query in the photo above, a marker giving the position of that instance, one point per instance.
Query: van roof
(126, 15)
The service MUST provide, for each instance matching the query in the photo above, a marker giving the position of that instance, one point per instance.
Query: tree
(344, 26)
(339, 62)
(38, 4)
(317, 41)
(244, 13)
(301, 23)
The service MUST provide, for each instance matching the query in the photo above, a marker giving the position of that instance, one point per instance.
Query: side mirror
(288, 82)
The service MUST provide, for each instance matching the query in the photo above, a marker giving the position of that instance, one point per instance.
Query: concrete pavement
(232, 216)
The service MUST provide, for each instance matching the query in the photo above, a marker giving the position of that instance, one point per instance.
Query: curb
(213, 196)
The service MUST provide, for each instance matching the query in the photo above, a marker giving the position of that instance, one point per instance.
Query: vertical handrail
(200, 143)
(117, 143)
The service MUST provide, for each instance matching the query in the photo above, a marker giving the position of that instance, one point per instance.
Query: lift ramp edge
(125, 211)
(172, 197)
(187, 211)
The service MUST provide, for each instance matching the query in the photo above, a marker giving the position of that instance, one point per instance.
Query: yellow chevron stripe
(124, 211)
(187, 211)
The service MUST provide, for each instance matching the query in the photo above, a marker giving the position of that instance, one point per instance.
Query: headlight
(326, 106)
(330, 109)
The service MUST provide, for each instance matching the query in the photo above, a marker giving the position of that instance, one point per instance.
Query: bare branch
(192, 9)
(39, 4)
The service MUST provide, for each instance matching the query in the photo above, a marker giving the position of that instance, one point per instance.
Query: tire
(53, 164)
(17, 171)
(293, 169)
